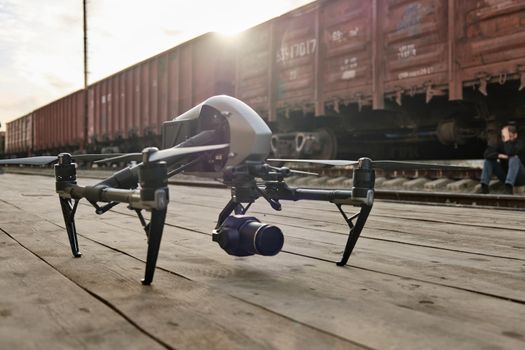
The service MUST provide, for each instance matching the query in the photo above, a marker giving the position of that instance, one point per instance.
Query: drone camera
(232, 122)
(242, 235)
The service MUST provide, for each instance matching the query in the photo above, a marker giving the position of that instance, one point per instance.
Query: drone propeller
(382, 164)
(168, 154)
(124, 157)
(300, 172)
(293, 171)
(45, 160)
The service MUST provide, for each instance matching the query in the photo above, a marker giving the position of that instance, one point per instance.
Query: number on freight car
(297, 50)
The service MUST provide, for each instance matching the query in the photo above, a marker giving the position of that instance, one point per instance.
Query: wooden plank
(352, 303)
(441, 233)
(501, 219)
(338, 298)
(179, 312)
(496, 276)
(41, 309)
(510, 224)
(486, 274)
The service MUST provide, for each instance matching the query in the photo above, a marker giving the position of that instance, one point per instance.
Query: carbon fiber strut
(65, 175)
(355, 230)
(68, 211)
(363, 187)
(154, 183)
(156, 226)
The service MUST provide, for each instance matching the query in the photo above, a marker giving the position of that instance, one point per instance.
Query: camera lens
(242, 235)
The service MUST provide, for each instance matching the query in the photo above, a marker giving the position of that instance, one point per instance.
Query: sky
(41, 42)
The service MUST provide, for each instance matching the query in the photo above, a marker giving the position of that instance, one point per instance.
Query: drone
(221, 135)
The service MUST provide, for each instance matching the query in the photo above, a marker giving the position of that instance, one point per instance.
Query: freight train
(2, 143)
(405, 79)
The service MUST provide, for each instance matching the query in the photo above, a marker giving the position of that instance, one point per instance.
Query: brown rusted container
(345, 65)
(60, 124)
(253, 69)
(489, 43)
(415, 47)
(296, 39)
(19, 135)
(353, 51)
(306, 63)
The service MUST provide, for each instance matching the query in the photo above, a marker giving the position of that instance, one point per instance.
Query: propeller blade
(123, 157)
(94, 156)
(39, 160)
(382, 164)
(176, 152)
(318, 161)
(303, 172)
(165, 154)
(45, 160)
(393, 164)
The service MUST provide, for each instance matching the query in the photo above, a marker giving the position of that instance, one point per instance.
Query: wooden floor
(421, 277)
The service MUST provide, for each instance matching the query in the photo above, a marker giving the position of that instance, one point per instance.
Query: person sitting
(505, 160)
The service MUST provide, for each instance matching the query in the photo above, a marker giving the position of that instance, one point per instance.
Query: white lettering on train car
(349, 68)
(338, 35)
(406, 51)
(416, 73)
(296, 50)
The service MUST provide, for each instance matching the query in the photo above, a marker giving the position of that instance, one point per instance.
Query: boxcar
(128, 108)
(19, 136)
(352, 76)
(59, 126)
(2, 143)
(335, 78)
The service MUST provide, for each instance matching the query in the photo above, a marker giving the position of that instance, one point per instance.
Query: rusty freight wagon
(124, 111)
(390, 78)
(19, 136)
(127, 109)
(2, 143)
(59, 126)
(335, 78)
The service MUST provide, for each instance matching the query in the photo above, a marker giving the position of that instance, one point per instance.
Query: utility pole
(86, 95)
(84, 3)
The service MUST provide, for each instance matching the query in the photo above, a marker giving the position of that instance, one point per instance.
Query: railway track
(451, 188)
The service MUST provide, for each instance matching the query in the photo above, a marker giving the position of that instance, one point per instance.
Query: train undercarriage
(440, 129)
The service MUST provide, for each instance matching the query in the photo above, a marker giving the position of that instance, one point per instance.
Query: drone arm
(126, 178)
(99, 193)
(281, 191)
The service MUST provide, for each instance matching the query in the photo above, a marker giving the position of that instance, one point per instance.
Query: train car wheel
(328, 142)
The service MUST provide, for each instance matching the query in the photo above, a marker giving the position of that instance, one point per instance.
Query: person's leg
(516, 173)
(486, 173)
(492, 166)
(515, 168)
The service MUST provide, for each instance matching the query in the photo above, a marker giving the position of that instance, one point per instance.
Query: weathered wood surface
(420, 277)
